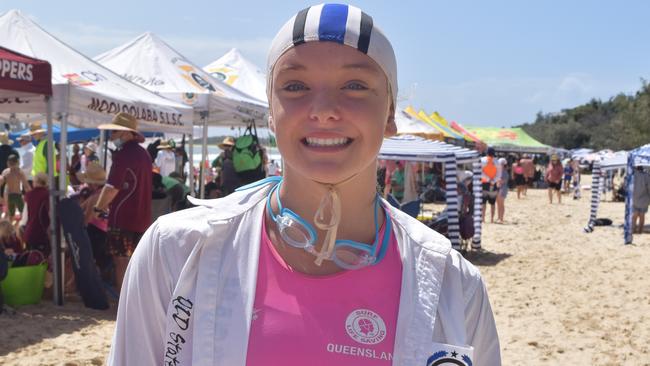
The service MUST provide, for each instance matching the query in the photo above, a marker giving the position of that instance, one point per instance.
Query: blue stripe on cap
(333, 19)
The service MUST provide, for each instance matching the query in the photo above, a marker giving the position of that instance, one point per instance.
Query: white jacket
(188, 294)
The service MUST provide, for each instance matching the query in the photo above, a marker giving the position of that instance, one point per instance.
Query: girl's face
(330, 108)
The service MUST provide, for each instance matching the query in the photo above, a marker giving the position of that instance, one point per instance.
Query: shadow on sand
(485, 258)
(31, 324)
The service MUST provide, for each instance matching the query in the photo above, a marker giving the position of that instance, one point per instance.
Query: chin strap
(332, 200)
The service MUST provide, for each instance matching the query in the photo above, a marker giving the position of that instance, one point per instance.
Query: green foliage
(621, 123)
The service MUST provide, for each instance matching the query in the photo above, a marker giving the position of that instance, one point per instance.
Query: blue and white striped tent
(606, 163)
(413, 148)
(637, 157)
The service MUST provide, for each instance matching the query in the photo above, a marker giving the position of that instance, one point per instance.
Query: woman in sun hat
(93, 180)
(312, 267)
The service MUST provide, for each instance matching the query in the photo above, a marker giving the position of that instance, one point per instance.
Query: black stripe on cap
(364, 33)
(299, 27)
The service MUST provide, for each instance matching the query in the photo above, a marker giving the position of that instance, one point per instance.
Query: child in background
(16, 182)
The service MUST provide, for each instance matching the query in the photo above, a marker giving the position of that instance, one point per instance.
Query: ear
(391, 127)
(271, 124)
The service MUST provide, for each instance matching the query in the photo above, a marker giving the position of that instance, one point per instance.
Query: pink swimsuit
(348, 318)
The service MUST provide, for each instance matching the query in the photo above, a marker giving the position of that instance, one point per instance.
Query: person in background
(166, 158)
(520, 179)
(40, 163)
(14, 183)
(89, 156)
(553, 178)
(576, 178)
(93, 180)
(396, 182)
(26, 152)
(5, 151)
(74, 165)
(502, 185)
(640, 199)
(35, 231)
(568, 175)
(126, 196)
(225, 168)
(529, 171)
(490, 175)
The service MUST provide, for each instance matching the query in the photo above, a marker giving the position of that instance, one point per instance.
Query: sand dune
(560, 296)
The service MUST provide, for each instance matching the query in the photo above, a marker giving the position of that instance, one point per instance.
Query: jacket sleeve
(481, 328)
(146, 291)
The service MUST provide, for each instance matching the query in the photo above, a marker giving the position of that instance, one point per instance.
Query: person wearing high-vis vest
(312, 267)
(39, 162)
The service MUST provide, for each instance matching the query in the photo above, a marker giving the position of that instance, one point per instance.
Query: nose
(325, 107)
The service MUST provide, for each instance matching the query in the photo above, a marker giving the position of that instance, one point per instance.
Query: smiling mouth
(321, 142)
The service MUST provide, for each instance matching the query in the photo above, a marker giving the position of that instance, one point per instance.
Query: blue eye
(294, 87)
(355, 86)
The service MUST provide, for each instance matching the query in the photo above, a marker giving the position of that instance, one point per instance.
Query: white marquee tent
(238, 72)
(148, 61)
(85, 93)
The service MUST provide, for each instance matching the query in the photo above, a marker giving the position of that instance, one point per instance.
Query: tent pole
(54, 198)
(204, 155)
(191, 163)
(102, 154)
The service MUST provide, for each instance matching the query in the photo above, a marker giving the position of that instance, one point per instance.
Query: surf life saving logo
(191, 74)
(365, 326)
(224, 73)
(448, 355)
(190, 98)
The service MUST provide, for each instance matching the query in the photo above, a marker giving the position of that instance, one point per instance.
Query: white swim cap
(340, 23)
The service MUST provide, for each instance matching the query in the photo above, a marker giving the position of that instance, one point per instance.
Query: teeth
(312, 141)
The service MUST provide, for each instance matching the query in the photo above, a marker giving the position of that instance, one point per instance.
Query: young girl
(312, 267)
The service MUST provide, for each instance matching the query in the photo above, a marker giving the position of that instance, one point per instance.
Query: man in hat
(228, 178)
(166, 158)
(26, 151)
(126, 196)
(39, 163)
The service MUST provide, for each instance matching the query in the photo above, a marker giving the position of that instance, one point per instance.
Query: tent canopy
(509, 139)
(408, 125)
(84, 92)
(236, 71)
(150, 62)
(23, 74)
(415, 148)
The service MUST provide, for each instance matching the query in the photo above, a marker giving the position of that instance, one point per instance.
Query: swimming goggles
(347, 254)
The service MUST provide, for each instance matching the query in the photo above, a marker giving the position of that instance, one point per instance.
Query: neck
(357, 197)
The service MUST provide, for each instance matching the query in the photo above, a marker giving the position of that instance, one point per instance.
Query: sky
(480, 63)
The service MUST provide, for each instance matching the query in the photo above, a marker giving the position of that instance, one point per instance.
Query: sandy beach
(560, 296)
